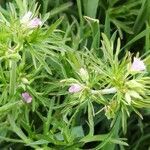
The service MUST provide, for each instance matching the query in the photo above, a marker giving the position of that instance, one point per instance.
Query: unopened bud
(84, 74)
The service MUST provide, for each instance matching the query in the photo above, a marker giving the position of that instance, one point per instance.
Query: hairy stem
(105, 91)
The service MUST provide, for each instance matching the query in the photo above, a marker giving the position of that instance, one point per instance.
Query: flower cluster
(137, 66)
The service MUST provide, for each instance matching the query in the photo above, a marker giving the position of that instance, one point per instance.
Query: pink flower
(30, 22)
(35, 22)
(138, 65)
(26, 97)
(74, 88)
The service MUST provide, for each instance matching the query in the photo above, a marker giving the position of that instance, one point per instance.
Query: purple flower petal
(138, 65)
(35, 22)
(26, 97)
(74, 88)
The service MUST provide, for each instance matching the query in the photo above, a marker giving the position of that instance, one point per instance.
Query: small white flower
(137, 65)
(26, 18)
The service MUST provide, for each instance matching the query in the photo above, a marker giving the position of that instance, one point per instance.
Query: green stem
(49, 117)
(105, 91)
(12, 88)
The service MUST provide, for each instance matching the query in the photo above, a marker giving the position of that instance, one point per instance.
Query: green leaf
(18, 130)
(90, 7)
(136, 38)
(90, 118)
(11, 140)
(52, 28)
(39, 142)
(41, 59)
(10, 106)
(95, 27)
(60, 8)
(142, 16)
(102, 138)
(122, 25)
(77, 131)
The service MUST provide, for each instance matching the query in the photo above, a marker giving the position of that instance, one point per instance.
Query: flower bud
(25, 81)
(84, 74)
(26, 97)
